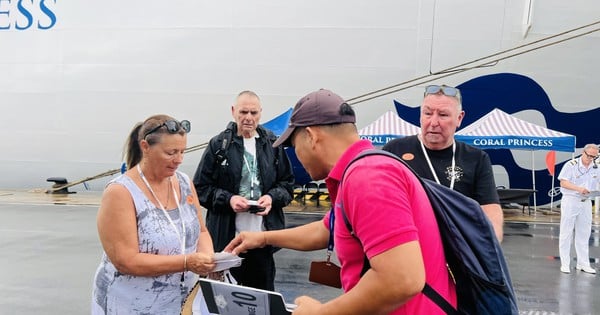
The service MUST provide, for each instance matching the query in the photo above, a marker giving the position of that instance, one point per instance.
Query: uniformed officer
(578, 178)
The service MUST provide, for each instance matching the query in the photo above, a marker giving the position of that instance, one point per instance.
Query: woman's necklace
(169, 192)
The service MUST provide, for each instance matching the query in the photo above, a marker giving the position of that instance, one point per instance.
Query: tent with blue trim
(387, 127)
(499, 130)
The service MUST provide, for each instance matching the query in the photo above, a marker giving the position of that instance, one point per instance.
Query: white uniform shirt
(575, 172)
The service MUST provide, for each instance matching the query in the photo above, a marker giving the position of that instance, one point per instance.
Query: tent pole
(552, 195)
(533, 180)
(597, 199)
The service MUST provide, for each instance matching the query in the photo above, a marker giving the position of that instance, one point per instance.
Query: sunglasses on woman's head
(173, 126)
(446, 90)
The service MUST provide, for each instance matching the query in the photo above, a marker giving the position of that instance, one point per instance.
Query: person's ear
(144, 146)
(312, 135)
(461, 115)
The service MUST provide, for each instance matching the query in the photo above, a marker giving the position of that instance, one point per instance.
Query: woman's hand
(200, 263)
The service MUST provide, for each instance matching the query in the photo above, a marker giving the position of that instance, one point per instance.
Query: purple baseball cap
(320, 107)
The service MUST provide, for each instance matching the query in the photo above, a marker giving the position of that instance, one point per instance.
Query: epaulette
(573, 162)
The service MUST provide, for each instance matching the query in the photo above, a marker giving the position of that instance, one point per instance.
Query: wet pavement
(51, 251)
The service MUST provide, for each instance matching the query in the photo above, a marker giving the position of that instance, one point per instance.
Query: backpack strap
(438, 299)
(428, 291)
(221, 153)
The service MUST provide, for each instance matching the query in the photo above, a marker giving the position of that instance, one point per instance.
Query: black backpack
(474, 256)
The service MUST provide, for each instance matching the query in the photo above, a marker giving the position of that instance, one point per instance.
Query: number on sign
(245, 297)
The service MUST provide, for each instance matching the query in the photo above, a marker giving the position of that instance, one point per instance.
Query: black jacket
(216, 184)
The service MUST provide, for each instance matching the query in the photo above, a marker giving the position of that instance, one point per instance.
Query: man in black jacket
(244, 183)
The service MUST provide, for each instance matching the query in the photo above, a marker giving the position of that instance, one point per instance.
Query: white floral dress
(117, 293)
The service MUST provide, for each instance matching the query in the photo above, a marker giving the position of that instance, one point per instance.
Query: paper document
(226, 261)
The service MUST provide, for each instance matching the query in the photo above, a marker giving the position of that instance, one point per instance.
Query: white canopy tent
(499, 130)
(387, 127)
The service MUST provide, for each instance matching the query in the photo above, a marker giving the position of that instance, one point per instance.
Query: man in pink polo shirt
(393, 222)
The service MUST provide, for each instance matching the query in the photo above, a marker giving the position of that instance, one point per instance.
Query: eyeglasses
(446, 90)
(593, 157)
(173, 126)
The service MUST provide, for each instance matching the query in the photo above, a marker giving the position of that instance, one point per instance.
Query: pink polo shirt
(387, 207)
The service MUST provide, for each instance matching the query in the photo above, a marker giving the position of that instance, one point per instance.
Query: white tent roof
(387, 127)
(498, 129)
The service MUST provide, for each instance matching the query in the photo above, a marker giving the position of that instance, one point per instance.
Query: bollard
(58, 182)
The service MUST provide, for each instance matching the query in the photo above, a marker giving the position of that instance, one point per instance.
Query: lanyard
(331, 227)
(164, 210)
(252, 174)
(453, 172)
(586, 168)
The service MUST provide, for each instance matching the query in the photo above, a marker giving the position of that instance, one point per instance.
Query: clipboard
(211, 297)
(592, 194)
